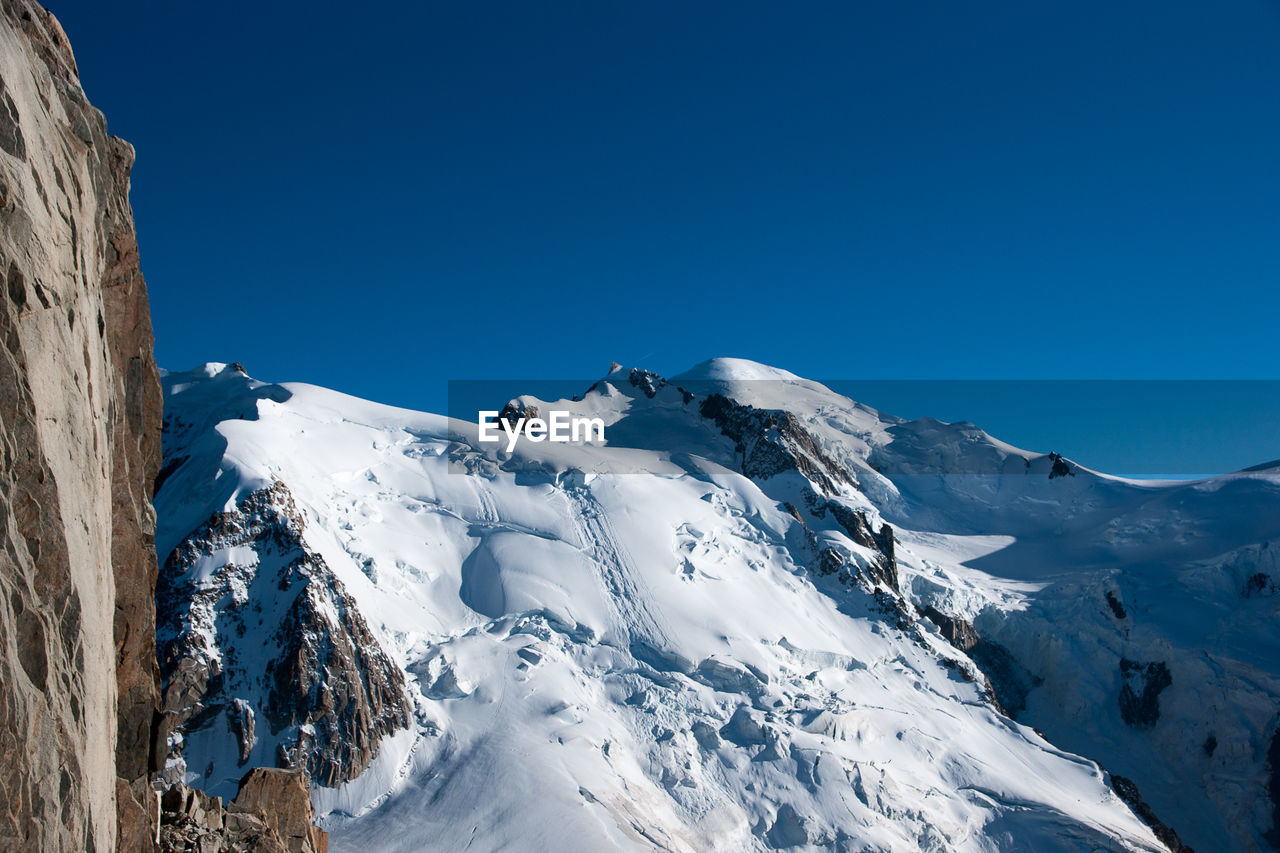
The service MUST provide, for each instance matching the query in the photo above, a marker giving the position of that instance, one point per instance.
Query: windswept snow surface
(626, 646)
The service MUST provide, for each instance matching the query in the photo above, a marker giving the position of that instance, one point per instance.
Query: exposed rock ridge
(80, 436)
(270, 814)
(1007, 682)
(255, 629)
(1128, 792)
(647, 381)
(771, 441)
(884, 568)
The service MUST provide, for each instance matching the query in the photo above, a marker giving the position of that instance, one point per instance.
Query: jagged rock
(831, 562)
(515, 413)
(959, 632)
(648, 382)
(241, 718)
(136, 828)
(331, 693)
(1140, 693)
(884, 569)
(1007, 681)
(771, 441)
(271, 814)
(281, 798)
(1061, 468)
(879, 577)
(1128, 791)
(79, 435)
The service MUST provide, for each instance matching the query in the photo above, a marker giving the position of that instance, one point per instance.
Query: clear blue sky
(379, 198)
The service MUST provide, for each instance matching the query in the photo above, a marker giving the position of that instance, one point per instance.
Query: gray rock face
(773, 441)
(271, 637)
(80, 439)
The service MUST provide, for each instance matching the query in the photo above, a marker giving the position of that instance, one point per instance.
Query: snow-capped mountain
(758, 616)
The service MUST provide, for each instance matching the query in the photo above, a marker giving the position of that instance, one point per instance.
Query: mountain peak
(735, 370)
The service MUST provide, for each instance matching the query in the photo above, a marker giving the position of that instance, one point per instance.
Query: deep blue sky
(380, 198)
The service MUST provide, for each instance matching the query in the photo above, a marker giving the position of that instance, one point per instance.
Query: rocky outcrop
(1140, 691)
(1259, 584)
(1061, 467)
(1007, 682)
(884, 567)
(80, 438)
(280, 799)
(1128, 791)
(515, 413)
(958, 632)
(771, 441)
(647, 381)
(1116, 605)
(270, 814)
(255, 628)
(874, 573)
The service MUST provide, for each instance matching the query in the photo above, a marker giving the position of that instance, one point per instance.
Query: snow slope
(635, 645)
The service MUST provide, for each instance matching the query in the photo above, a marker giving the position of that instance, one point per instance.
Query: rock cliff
(80, 437)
